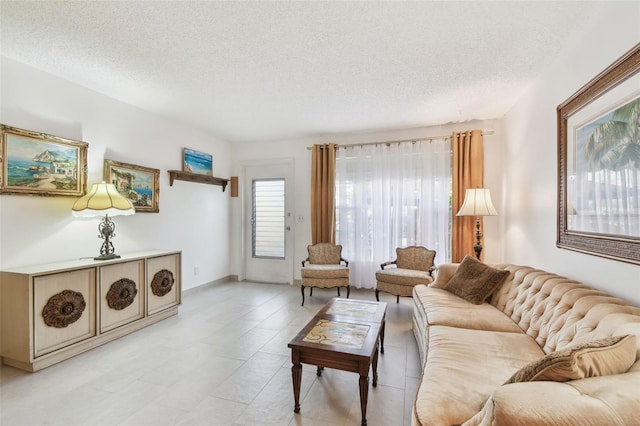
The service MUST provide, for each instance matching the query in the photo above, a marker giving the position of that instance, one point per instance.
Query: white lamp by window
(477, 202)
(104, 200)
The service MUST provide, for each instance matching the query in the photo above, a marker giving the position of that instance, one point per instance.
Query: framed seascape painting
(599, 164)
(139, 184)
(40, 164)
(197, 162)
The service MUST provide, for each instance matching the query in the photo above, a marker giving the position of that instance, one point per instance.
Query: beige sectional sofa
(469, 351)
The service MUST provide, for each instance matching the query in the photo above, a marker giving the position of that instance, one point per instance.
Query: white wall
(193, 217)
(520, 169)
(530, 157)
(297, 150)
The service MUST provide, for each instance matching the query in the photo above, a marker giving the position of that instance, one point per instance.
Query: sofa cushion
(401, 276)
(463, 367)
(475, 281)
(324, 271)
(611, 355)
(439, 307)
(606, 400)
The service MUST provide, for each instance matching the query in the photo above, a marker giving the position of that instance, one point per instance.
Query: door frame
(246, 211)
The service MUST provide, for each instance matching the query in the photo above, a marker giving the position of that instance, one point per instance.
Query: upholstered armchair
(413, 266)
(323, 268)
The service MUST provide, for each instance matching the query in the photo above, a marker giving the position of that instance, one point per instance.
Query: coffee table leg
(382, 336)
(364, 394)
(374, 367)
(296, 374)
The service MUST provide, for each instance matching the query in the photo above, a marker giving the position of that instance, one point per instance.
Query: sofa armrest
(444, 273)
(607, 400)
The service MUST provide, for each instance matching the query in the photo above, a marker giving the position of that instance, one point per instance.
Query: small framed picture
(197, 162)
(39, 164)
(141, 185)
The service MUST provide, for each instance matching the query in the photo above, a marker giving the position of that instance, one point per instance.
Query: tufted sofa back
(558, 312)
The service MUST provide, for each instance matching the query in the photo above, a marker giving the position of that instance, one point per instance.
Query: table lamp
(104, 200)
(477, 202)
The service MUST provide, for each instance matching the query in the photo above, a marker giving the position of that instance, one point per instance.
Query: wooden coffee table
(345, 334)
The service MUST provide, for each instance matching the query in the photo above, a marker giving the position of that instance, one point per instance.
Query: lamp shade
(102, 199)
(477, 202)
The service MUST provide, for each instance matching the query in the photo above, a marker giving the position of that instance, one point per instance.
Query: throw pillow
(475, 281)
(611, 355)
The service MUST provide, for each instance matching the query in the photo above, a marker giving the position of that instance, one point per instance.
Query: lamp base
(478, 247)
(107, 230)
(107, 257)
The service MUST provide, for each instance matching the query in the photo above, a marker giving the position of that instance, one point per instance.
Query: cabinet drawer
(163, 283)
(122, 290)
(64, 309)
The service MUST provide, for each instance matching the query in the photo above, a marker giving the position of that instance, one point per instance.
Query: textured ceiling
(254, 71)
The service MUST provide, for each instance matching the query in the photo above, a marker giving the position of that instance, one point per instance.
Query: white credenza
(52, 312)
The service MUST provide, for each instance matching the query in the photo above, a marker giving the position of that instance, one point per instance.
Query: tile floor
(223, 360)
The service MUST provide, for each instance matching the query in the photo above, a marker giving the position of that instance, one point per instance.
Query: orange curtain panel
(468, 172)
(323, 176)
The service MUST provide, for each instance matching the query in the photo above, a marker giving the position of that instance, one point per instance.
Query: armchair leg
(348, 291)
(310, 291)
(377, 295)
(397, 299)
(338, 291)
(302, 290)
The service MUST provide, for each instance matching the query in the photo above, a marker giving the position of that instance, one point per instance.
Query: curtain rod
(430, 138)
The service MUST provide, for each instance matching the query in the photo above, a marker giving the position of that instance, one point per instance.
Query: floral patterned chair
(414, 265)
(323, 268)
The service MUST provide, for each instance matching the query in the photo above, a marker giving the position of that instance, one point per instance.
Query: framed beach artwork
(197, 162)
(141, 185)
(599, 164)
(36, 163)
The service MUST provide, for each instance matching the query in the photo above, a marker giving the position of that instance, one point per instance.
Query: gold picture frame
(34, 163)
(141, 185)
(599, 164)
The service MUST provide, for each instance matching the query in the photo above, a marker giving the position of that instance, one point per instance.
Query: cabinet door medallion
(162, 282)
(63, 309)
(121, 294)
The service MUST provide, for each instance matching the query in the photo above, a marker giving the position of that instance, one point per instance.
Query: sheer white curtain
(389, 196)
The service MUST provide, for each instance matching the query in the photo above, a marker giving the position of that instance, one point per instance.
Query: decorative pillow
(611, 355)
(475, 281)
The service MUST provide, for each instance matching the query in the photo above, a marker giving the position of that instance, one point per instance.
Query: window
(389, 196)
(268, 219)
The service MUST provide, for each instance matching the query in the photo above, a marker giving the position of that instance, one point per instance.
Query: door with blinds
(268, 222)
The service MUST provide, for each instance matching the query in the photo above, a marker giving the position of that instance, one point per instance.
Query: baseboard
(205, 286)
